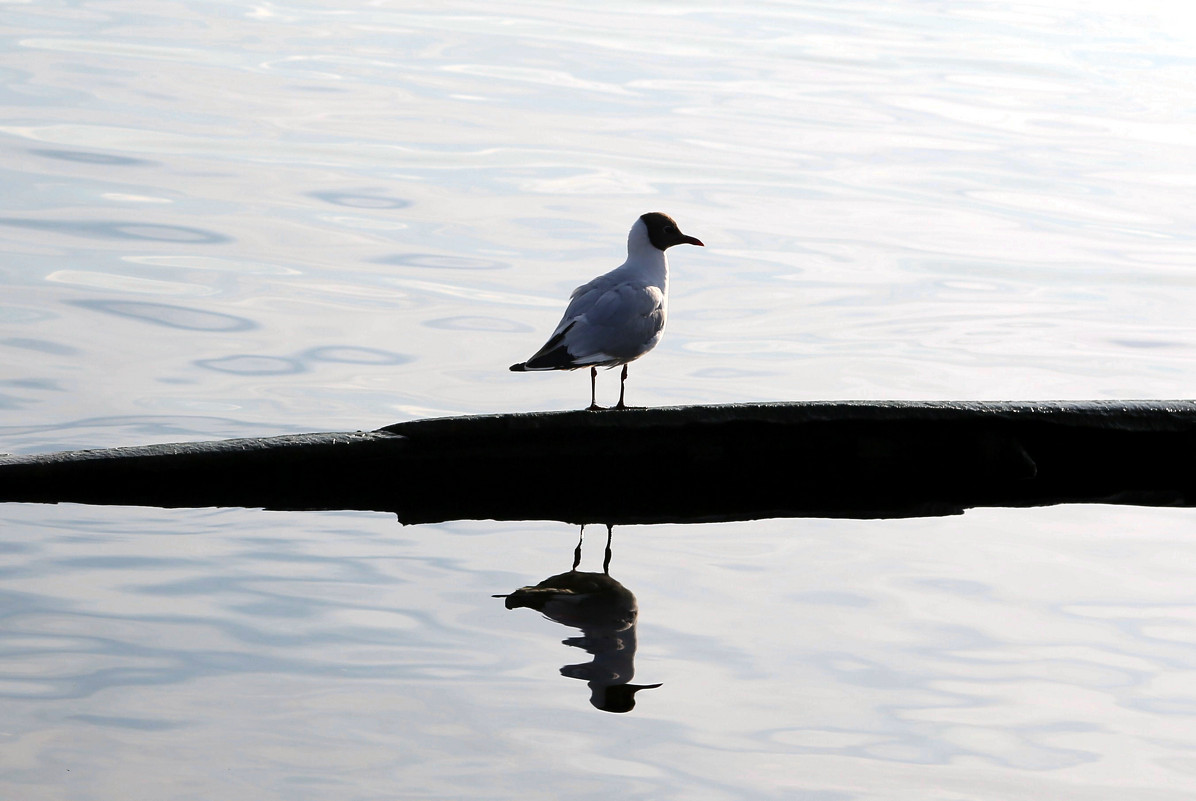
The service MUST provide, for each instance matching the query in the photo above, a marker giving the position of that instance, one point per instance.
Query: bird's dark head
(617, 697)
(663, 232)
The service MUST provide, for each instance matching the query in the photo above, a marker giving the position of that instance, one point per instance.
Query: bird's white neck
(644, 258)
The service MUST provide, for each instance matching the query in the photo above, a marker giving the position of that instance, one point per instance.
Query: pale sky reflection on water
(224, 220)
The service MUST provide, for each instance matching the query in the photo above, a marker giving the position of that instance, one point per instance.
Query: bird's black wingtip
(519, 368)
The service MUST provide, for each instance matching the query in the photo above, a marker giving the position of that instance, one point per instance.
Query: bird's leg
(606, 560)
(593, 407)
(622, 388)
(577, 550)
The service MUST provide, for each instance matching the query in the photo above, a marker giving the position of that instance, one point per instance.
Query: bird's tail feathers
(557, 360)
(553, 356)
(536, 366)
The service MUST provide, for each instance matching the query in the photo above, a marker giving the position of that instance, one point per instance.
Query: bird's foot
(593, 407)
(621, 405)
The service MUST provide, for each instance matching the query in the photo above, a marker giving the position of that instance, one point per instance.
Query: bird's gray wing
(560, 352)
(619, 320)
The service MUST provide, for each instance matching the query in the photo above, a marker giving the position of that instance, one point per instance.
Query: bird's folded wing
(625, 305)
(621, 322)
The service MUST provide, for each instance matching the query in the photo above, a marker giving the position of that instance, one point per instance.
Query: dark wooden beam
(680, 464)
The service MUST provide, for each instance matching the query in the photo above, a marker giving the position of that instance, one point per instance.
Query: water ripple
(248, 364)
(360, 200)
(168, 315)
(127, 230)
(92, 157)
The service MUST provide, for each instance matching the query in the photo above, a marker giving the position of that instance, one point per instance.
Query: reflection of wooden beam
(682, 464)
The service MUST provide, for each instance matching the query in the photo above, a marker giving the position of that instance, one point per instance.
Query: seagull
(619, 316)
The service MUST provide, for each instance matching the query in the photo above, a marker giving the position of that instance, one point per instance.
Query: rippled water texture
(225, 219)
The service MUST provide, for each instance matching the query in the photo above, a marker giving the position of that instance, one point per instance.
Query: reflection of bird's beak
(692, 240)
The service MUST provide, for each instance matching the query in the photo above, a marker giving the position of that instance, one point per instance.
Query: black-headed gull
(619, 316)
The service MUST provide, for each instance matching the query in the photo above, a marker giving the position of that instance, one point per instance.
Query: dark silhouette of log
(682, 464)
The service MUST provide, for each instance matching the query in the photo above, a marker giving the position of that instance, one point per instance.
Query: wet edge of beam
(895, 459)
(1128, 415)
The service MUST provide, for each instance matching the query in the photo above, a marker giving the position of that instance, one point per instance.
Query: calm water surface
(223, 219)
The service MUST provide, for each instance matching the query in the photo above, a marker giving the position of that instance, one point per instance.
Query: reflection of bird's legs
(610, 530)
(622, 386)
(593, 390)
(577, 550)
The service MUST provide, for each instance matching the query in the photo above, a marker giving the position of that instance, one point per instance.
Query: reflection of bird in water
(605, 611)
(619, 316)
